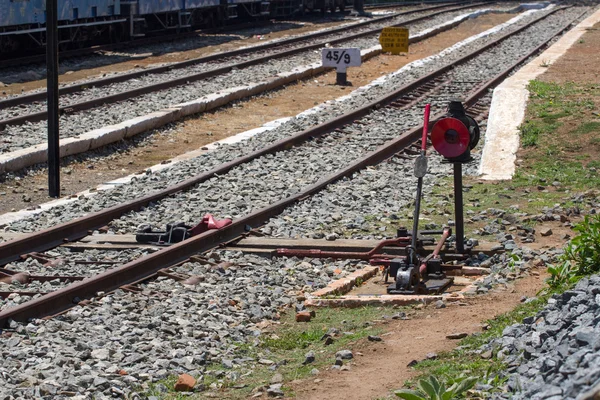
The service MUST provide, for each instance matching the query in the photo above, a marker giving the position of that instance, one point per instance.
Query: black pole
(52, 90)
(359, 6)
(458, 208)
(415, 230)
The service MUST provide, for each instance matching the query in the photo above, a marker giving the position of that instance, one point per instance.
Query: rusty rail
(121, 96)
(140, 269)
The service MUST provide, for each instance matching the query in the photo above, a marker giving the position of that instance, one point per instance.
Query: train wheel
(8, 45)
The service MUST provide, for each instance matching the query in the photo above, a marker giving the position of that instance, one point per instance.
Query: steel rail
(144, 267)
(86, 105)
(148, 40)
(375, 6)
(78, 228)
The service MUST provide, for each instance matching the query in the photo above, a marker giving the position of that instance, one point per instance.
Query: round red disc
(450, 137)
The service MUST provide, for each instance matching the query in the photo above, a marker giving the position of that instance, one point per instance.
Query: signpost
(341, 59)
(394, 40)
(52, 90)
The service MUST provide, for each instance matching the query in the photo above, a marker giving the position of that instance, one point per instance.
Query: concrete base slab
(336, 294)
(509, 103)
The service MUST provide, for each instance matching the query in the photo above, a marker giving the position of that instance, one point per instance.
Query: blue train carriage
(324, 5)
(288, 8)
(248, 9)
(22, 22)
(151, 16)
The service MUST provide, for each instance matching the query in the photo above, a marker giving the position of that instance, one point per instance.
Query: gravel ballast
(554, 354)
(129, 341)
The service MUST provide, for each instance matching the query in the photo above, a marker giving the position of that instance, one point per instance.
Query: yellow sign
(394, 40)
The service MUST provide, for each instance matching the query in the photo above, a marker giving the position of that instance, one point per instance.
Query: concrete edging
(338, 289)
(509, 103)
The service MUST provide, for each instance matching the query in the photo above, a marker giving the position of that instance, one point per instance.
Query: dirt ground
(382, 367)
(197, 131)
(581, 63)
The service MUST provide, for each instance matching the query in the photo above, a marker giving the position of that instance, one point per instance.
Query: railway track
(12, 61)
(13, 107)
(454, 78)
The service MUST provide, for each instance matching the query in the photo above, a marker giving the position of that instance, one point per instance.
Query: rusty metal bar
(400, 242)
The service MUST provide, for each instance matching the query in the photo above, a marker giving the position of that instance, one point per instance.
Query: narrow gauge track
(16, 103)
(41, 58)
(148, 266)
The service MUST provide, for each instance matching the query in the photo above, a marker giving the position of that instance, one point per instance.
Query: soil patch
(580, 64)
(382, 367)
(197, 131)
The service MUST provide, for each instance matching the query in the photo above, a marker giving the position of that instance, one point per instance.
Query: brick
(303, 316)
(185, 383)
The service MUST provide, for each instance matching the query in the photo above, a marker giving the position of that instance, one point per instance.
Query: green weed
(581, 257)
(432, 389)
(588, 127)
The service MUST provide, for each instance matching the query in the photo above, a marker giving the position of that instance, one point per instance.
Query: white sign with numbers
(341, 58)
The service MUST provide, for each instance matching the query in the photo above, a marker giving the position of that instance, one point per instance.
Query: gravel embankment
(554, 354)
(17, 137)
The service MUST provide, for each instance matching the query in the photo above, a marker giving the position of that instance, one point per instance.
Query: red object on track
(450, 137)
(209, 222)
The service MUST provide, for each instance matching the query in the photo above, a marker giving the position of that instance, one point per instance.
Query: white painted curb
(509, 103)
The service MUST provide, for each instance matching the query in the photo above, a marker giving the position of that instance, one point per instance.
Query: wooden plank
(109, 246)
(109, 238)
